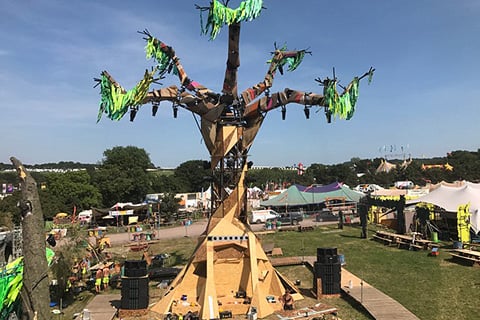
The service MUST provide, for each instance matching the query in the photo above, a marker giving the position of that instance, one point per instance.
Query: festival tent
(319, 194)
(297, 195)
(119, 209)
(449, 198)
(290, 197)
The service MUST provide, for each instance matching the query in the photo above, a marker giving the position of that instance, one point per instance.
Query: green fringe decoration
(292, 60)
(370, 76)
(165, 64)
(115, 102)
(341, 106)
(11, 282)
(220, 15)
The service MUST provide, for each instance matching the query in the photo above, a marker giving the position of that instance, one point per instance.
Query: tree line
(127, 174)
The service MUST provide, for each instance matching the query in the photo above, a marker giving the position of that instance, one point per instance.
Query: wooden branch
(233, 61)
(252, 93)
(35, 292)
(195, 104)
(278, 99)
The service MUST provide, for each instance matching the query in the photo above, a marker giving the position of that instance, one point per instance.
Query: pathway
(378, 304)
(103, 306)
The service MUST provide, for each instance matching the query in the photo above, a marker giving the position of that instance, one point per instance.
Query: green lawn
(430, 287)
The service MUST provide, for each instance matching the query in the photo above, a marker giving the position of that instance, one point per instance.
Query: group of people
(80, 269)
(102, 279)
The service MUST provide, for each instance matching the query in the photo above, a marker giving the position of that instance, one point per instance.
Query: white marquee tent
(449, 198)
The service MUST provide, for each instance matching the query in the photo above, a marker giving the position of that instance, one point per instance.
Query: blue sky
(423, 98)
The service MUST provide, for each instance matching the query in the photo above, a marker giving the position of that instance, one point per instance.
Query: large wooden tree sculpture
(229, 257)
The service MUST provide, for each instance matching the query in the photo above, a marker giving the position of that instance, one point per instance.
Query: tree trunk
(35, 291)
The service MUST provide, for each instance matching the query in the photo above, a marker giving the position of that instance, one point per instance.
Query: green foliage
(9, 212)
(191, 175)
(169, 205)
(165, 183)
(64, 191)
(276, 176)
(122, 175)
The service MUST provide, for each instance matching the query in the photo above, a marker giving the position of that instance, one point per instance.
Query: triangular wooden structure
(229, 271)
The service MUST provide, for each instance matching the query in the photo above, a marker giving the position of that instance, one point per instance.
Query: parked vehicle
(292, 218)
(325, 215)
(261, 216)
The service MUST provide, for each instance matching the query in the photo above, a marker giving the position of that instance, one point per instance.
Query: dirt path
(194, 230)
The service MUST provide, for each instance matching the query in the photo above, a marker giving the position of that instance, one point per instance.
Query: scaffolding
(17, 245)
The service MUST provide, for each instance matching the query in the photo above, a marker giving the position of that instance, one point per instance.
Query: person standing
(106, 277)
(98, 280)
(287, 300)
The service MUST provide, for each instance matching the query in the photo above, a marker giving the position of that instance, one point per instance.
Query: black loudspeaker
(134, 293)
(331, 276)
(225, 314)
(327, 255)
(135, 268)
(322, 252)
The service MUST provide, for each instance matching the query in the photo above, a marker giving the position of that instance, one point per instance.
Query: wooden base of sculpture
(229, 271)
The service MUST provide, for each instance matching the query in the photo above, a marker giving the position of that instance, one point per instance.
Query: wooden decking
(470, 257)
(410, 242)
(378, 304)
(104, 306)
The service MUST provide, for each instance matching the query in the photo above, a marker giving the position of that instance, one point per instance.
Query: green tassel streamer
(115, 102)
(220, 15)
(341, 106)
(153, 49)
(292, 60)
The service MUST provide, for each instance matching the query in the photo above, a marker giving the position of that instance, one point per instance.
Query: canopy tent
(449, 198)
(318, 194)
(290, 197)
(119, 209)
(297, 195)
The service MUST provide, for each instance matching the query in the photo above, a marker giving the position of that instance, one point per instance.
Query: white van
(261, 216)
(85, 216)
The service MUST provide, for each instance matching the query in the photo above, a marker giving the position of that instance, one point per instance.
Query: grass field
(430, 287)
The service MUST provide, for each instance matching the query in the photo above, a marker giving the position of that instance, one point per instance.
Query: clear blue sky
(424, 95)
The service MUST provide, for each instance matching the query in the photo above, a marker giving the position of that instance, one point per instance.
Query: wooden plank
(466, 259)
(384, 240)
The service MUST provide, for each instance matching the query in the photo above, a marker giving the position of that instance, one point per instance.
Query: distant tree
(9, 212)
(191, 175)
(276, 177)
(164, 183)
(169, 205)
(64, 191)
(122, 175)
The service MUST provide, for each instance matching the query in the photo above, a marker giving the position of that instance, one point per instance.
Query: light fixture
(306, 110)
(155, 108)
(175, 110)
(133, 113)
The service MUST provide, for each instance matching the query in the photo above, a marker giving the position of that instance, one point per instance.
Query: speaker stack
(328, 270)
(134, 285)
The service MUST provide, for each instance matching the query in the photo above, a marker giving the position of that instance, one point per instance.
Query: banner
(133, 219)
(120, 213)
